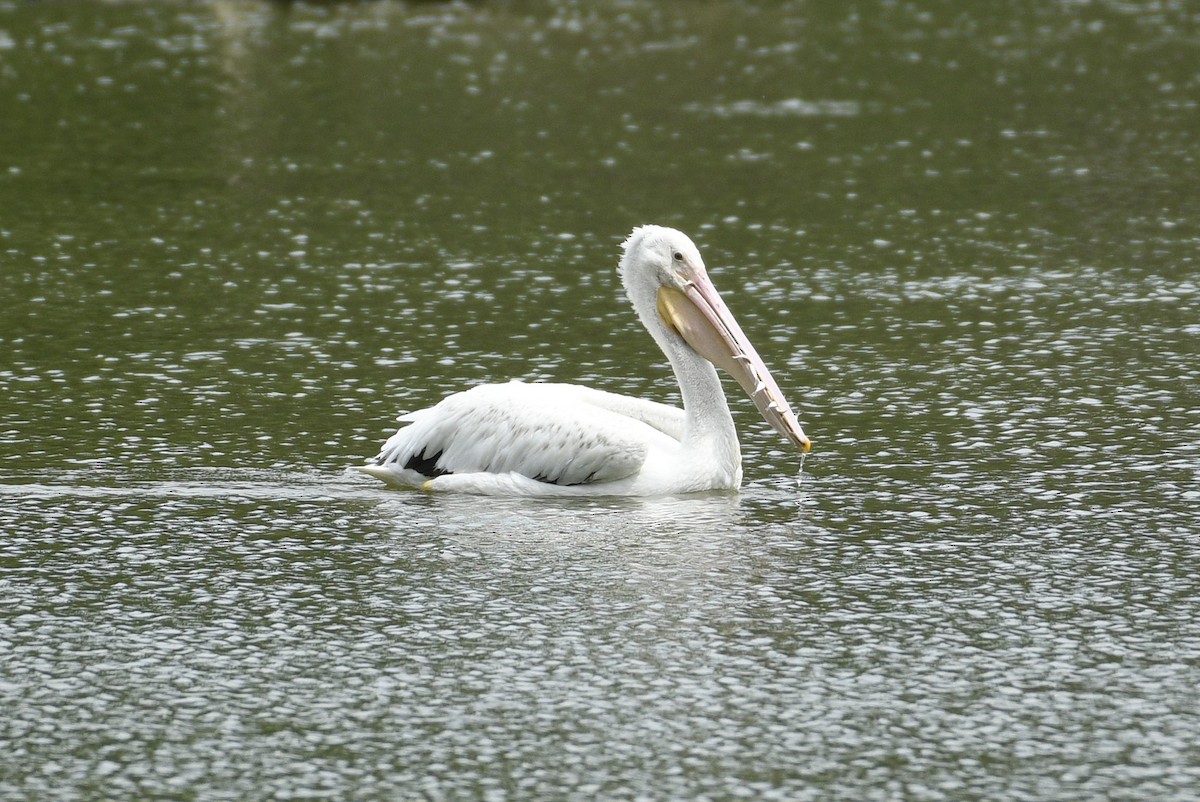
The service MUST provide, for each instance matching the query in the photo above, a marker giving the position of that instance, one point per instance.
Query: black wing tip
(426, 466)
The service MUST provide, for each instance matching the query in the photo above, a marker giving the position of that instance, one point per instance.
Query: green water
(236, 239)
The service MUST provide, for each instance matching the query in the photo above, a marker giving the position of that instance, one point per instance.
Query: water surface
(237, 239)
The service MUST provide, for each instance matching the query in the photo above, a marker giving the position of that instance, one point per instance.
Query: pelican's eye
(678, 256)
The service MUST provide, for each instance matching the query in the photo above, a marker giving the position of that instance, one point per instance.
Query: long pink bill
(704, 321)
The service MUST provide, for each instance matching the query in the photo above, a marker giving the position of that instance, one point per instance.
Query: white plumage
(564, 439)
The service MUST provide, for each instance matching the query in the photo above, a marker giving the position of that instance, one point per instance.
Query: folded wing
(560, 434)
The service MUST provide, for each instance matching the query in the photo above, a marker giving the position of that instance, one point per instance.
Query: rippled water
(237, 239)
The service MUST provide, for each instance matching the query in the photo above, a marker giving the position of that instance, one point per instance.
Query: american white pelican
(567, 440)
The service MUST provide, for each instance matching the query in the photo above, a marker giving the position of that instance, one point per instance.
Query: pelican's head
(690, 308)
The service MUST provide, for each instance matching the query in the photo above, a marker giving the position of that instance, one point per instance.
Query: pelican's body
(564, 439)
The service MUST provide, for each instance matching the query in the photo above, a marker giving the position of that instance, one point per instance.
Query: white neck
(709, 426)
(708, 418)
